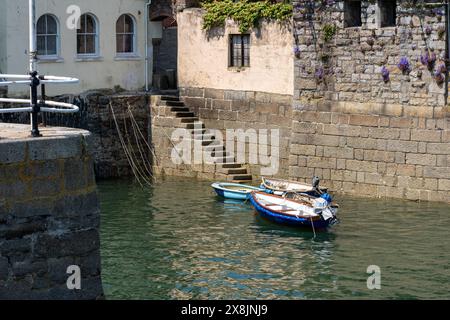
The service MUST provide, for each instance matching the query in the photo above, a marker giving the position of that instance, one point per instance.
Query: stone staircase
(225, 163)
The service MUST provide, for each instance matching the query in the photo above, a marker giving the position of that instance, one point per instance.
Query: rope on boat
(312, 224)
(137, 173)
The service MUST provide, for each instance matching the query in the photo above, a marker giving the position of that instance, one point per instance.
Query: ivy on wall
(246, 13)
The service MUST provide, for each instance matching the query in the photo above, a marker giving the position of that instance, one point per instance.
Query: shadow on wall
(165, 55)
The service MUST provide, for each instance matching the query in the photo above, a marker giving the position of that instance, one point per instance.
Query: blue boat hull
(288, 220)
(232, 194)
(224, 190)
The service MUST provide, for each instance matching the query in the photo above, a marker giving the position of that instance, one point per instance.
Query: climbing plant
(246, 13)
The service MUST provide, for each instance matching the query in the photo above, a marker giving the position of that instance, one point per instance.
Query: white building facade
(107, 47)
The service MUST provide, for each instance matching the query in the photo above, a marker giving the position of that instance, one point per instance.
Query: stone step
(185, 114)
(221, 160)
(170, 98)
(188, 120)
(174, 103)
(219, 153)
(191, 126)
(207, 142)
(242, 181)
(198, 131)
(241, 177)
(204, 136)
(213, 147)
(230, 165)
(238, 171)
(180, 109)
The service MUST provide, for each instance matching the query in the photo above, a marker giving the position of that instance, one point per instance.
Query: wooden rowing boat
(314, 213)
(233, 190)
(281, 185)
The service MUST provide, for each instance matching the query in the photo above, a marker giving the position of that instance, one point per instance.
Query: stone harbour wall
(361, 134)
(95, 115)
(373, 155)
(49, 214)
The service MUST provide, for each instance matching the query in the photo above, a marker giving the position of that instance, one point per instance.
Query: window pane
(90, 44)
(246, 44)
(90, 24)
(51, 45)
(51, 25)
(41, 25)
(41, 45)
(119, 44)
(81, 47)
(128, 43)
(120, 25)
(82, 24)
(128, 24)
(237, 51)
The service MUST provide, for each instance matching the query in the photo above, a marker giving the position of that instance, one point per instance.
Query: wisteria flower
(385, 74)
(403, 65)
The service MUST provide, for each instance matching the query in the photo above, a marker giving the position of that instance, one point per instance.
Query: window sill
(44, 59)
(131, 57)
(88, 58)
(237, 69)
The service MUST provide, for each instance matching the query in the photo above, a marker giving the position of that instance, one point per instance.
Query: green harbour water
(177, 240)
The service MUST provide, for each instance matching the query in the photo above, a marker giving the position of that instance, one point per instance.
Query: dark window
(87, 35)
(240, 50)
(47, 36)
(125, 35)
(388, 13)
(352, 13)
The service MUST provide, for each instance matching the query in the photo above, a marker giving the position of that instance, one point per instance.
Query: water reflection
(177, 240)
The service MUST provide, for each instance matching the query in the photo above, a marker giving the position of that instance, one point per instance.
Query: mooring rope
(137, 173)
(130, 146)
(144, 158)
(133, 120)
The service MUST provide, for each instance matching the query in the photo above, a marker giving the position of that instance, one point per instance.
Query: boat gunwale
(316, 217)
(286, 181)
(218, 185)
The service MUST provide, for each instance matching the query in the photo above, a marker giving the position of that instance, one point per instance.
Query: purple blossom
(428, 30)
(424, 58)
(442, 68)
(403, 65)
(297, 51)
(439, 77)
(438, 12)
(320, 73)
(385, 74)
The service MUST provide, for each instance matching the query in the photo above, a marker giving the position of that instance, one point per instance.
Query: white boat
(282, 185)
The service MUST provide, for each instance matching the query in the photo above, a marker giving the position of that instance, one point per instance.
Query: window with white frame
(125, 35)
(87, 35)
(47, 36)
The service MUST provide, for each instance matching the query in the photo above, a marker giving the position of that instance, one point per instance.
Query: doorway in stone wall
(165, 55)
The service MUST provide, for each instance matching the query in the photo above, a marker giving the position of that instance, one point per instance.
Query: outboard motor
(316, 182)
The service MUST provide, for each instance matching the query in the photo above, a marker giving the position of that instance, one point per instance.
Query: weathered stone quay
(49, 214)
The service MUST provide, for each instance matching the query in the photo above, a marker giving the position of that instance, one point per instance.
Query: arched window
(47, 35)
(87, 35)
(125, 34)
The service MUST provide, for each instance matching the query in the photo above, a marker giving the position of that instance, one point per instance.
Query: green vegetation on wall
(246, 13)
